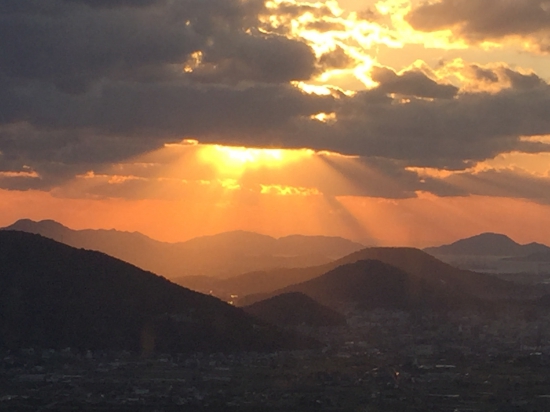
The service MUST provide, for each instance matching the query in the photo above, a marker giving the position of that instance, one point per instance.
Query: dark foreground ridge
(56, 296)
(295, 309)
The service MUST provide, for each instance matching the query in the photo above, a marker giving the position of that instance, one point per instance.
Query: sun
(244, 155)
(235, 161)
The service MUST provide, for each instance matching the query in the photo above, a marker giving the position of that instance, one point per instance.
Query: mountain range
(251, 287)
(489, 244)
(423, 272)
(56, 296)
(221, 256)
(372, 284)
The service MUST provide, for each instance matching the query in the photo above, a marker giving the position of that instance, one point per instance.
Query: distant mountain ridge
(533, 257)
(373, 284)
(223, 255)
(55, 296)
(488, 244)
(414, 261)
(418, 265)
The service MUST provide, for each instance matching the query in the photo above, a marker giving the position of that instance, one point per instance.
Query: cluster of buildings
(383, 360)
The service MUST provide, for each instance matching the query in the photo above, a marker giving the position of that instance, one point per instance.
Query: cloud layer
(86, 84)
(488, 20)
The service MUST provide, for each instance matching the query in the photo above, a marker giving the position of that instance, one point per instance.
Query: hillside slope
(413, 261)
(373, 284)
(56, 296)
(295, 309)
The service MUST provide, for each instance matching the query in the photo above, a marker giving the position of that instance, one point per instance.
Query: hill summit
(56, 296)
(372, 284)
(488, 244)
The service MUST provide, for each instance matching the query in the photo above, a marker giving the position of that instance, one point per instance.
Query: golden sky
(396, 122)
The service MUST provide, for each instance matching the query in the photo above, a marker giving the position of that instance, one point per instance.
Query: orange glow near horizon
(190, 189)
(422, 221)
(331, 49)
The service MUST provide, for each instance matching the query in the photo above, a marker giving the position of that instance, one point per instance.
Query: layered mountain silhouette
(56, 296)
(533, 257)
(295, 309)
(415, 262)
(488, 244)
(223, 255)
(374, 284)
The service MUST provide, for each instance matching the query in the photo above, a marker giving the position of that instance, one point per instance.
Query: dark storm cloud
(484, 74)
(115, 3)
(447, 133)
(86, 84)
(523, 81)
(411, 83)
(295, 10)
(323, 26)
(122, 119)
(162, 111)
(261, 58)
(335, 59)
(480, 20)
(498, 183)
(73, 45)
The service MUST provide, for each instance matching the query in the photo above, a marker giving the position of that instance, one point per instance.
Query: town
(382, 360)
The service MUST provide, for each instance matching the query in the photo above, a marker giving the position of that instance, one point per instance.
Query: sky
(390, 122)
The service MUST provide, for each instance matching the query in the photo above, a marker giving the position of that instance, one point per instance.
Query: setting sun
(235, 160)
(333, 111)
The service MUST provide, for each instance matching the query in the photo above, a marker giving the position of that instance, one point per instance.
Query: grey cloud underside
(123, 119)
(336, 59)
(499, 183)
(411, 83)
(84, 84)
(479, 20)
(72, 45)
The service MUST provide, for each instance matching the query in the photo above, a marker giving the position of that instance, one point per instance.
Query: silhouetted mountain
(53, 295)
(294, 309)
(424, 266)
(223, 255)
(488, 244)
(413, 261)
(533, 257)
(373, 284)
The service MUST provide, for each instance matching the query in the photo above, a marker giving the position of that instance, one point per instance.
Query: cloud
(335, 59)
(72, 45)
(260, 58)
(123, 119)
(477, 21)
(514, 183)
(85, 85)
(411, 83)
